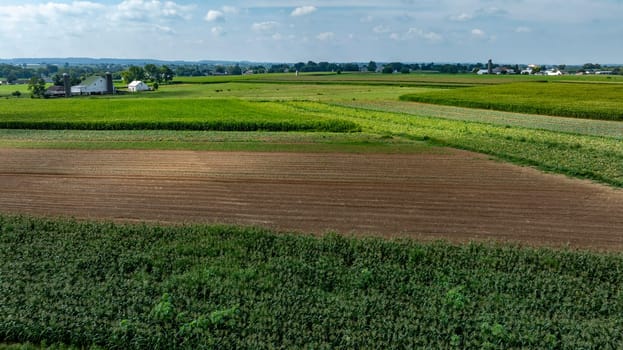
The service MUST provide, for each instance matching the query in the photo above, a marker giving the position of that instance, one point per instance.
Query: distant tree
(299, 66)
(11, 78)
(562, 67)
(220, 69)
(591, 66)
(388, 69)
(156, 86)
(372, 66)
(16, 93)
(350, 67)
(133, 73)
(36, 87)
(57, 79)
(405, 70)
(234, 70)
(278, 68)
(166, 74)
(152, 73)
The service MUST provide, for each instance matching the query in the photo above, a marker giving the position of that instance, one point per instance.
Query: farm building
(137, 86)
(91, 85)
(55, 91)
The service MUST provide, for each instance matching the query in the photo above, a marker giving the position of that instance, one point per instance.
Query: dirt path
(453, 195)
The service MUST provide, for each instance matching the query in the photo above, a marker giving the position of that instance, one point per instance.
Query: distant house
(91, 85)
(482, 71)
(553, 72)
(137, 86)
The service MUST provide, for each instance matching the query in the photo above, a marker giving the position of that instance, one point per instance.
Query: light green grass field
(212, 141)
(7, 90)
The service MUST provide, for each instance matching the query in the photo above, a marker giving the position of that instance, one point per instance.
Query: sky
(507, 31)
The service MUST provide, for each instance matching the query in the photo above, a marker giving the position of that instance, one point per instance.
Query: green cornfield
(590, 100)
(200, 287)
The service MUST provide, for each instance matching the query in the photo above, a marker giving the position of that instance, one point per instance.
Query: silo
(109, 85)
(67, 85)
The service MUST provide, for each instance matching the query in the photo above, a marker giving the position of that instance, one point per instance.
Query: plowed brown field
(453, 195)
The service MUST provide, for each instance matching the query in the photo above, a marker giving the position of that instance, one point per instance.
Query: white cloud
(417, 33)
(145, 10)
(44, 19)
(381, 29)
(523, 30)
(325, 36)
(214, 15)
(478, 33)
(366, 19)
(164, 29)
(264, 26)
(230, 10)
(302, 11)
(217, 31)
(463, 17)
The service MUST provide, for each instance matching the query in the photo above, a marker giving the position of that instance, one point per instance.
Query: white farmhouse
(91, 85)
(137, 86)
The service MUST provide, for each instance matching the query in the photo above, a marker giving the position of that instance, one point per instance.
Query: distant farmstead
(91, 85)
(137, 86)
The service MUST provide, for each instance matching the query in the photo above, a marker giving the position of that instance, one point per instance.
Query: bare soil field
(443, 194)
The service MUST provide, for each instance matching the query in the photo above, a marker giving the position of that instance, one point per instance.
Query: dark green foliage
(164, 114)
(124, 287)
(214, 125)
(578, 100)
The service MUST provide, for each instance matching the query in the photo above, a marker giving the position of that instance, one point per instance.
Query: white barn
(137, 86)
(91, 85)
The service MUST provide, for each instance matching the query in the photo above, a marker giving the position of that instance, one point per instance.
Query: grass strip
(322, 142)
(604, 128)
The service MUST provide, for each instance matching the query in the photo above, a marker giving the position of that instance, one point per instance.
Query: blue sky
(509, 31)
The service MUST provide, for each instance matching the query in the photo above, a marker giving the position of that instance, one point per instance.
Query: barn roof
(90, 80)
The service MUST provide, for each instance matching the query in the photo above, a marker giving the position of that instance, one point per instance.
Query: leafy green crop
(162, 114)
(580, 100)
(137, 287)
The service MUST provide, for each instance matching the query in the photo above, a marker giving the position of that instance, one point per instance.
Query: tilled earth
(454, 195)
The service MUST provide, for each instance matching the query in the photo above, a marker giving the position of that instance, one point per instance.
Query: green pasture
(7, 90)
(321, 142)
(374, 79)
(280, 92)
(580, 100)
(87, 285)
